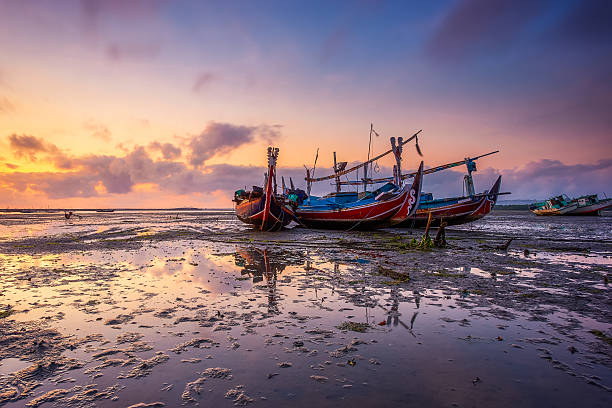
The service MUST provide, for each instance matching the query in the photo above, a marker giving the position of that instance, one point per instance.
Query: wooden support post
(428, 224)
(440, 240)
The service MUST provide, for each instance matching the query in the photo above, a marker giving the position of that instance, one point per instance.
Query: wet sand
(193, 308)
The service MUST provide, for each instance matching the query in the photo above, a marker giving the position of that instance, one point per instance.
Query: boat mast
(467, 179)
(397, 152)
(365, 168)
(336, 172)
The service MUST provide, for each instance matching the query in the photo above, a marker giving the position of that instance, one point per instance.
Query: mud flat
(195, 309)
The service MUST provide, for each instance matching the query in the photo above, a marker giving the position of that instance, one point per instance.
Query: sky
(151, 104)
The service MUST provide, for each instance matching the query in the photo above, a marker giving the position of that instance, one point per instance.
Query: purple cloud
(545, 178)
(54, 185)
(6, 106)
(203, 80)
(222, 138)
(98, 131)
(121, 51)
(481, 25)
(29, 146)
(168, 150)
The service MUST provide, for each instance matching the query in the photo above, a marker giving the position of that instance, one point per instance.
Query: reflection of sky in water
(434, 341)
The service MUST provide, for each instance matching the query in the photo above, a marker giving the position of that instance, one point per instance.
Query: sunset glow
(169, 104)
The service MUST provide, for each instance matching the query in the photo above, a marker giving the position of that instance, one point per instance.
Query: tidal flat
(192, 308)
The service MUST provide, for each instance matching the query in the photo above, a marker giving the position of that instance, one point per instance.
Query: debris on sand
(217, 372)
(353, 326)
(21, 384)
(148, 405)
(285, 364)
(166, 313)
(198, 342)
(319, 378)
(145, 367)
(602, 336)
(129, 337)
(240, 398)
(47, 397)
(120, 319)
(390, 273)
(194, 388)
(191, 360)
(6, 312)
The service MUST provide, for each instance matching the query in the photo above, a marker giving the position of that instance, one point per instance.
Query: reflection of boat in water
(563, 205)
(262, 207)
(260, 264)
(558, 205)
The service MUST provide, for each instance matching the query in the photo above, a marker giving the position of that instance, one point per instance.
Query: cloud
(222, 138)
(54, 185)
(203, 80)
(168, 150)
(544, 178)
(28, 146)
(121, 51)
(98, 131)
(6, 106)
(473, 26)
(120, 174)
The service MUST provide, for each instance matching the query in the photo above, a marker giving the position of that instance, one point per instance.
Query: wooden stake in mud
(428, 224)
(440, 240)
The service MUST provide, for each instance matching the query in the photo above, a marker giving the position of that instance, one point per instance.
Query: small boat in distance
(591, 205)
(105, 210)
(262, 207)
(587, 205)
(558, 205)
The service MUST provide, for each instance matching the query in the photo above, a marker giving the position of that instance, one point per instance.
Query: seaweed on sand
(353, 326)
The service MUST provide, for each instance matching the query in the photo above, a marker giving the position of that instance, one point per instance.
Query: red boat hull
(378, 214)
(252, 212)
(463, 212)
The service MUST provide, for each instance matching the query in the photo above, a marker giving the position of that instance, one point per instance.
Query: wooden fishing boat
(454, 211)
(590, 205)
(386, 206)
(558, 205)
(262, 207)
(587, 205)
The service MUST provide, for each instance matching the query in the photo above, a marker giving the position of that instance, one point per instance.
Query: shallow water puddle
(196, 321)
